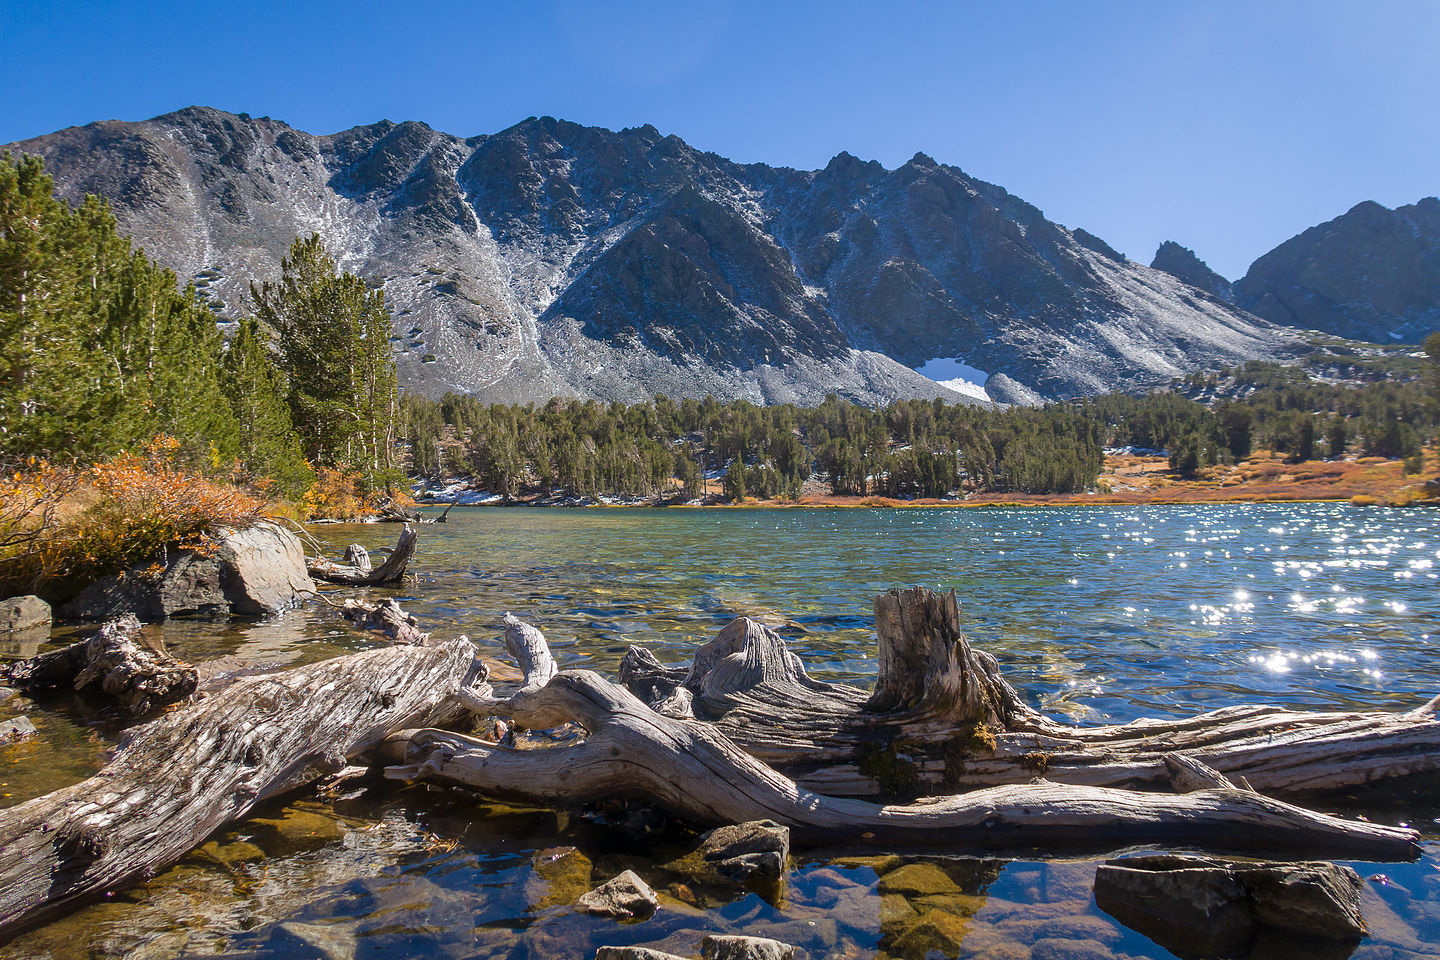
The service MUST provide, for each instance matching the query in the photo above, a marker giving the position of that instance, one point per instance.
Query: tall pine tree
(333, 335)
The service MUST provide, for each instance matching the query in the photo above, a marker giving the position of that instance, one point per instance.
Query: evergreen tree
(333, 334)
(268, 446)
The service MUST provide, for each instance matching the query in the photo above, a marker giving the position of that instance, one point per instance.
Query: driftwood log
(355, 569)
(138, 677)
(696, 772)
(177, 779)
(942, 719)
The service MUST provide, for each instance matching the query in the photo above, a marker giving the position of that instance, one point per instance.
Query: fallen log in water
(696, 772)
(355, 569)
(175, 780)
(942, 719)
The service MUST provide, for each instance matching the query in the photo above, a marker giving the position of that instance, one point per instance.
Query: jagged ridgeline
(103, 350)
(554, 259)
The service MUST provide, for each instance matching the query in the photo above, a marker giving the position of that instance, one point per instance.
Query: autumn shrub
(62, 527)
(340, 494)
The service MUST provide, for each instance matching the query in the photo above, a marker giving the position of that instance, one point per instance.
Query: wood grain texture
(177, 779)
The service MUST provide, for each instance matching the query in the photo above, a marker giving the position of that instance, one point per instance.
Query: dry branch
(354, 569)
(140, 678)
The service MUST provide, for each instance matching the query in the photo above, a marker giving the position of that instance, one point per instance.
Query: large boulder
(253, 571)
(1203, 907)
(24, 614)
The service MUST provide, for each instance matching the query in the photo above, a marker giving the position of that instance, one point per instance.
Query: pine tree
(334, 350)
(268, 446)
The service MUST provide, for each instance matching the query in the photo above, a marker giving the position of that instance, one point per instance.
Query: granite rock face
(255, 571)
(553, 259)
(1370, 274)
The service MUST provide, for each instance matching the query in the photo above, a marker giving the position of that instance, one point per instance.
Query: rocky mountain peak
(1182, 262)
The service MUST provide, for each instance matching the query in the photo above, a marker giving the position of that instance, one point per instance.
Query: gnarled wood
(691, 769)
(138, 678)
(175, 780)
(355, 568)
(385, 618)
(942, 719)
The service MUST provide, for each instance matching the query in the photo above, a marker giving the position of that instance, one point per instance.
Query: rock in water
(13, 731)
(759, 848)
(1201, 907)
(262, 568)
(633, 953)
(253, 571)
(20, 614)
(624, 897)
(716, 947)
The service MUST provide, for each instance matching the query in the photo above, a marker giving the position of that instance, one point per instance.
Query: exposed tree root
(942, 719)
(693, 770)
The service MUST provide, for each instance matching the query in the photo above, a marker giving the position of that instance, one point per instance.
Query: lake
(1096, 614)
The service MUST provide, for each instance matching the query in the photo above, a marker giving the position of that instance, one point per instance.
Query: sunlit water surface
(1096, 614)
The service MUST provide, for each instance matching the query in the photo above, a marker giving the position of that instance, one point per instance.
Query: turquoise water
(1096, 614)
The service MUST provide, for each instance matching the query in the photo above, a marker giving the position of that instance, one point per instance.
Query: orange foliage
(61, 527)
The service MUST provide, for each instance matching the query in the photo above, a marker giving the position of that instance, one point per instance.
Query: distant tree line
(1281, 409)
(911, 448)
(908, 449)
(102, 350)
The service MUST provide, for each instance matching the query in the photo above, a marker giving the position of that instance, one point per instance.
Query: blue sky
(1225, 126)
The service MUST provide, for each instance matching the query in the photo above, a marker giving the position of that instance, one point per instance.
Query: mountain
(1369, 274)
(557, 259)
(1182, 262)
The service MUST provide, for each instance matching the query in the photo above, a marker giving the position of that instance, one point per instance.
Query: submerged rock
(13, 731)
(24, 614)
(716, 947)
(561, 876)
(1202, 907)
(624, 897)
(253, 571)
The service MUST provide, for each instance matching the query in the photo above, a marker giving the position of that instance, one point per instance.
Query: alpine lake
(1096, 614)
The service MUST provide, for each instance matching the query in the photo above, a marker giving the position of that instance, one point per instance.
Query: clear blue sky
(1227, 126)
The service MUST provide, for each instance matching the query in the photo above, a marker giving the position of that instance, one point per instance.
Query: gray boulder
(24, 614)
(262, 568)
(1202, 907)
(625, 897)
(716, 947)
(253, 571)
(758, 848)
(633, 953)
(13, 731)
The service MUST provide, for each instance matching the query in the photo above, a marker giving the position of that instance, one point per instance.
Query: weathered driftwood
(354, 568)
(384, 617)
(696, 772)
(942, 719)
(139, 678)
(178, 778)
